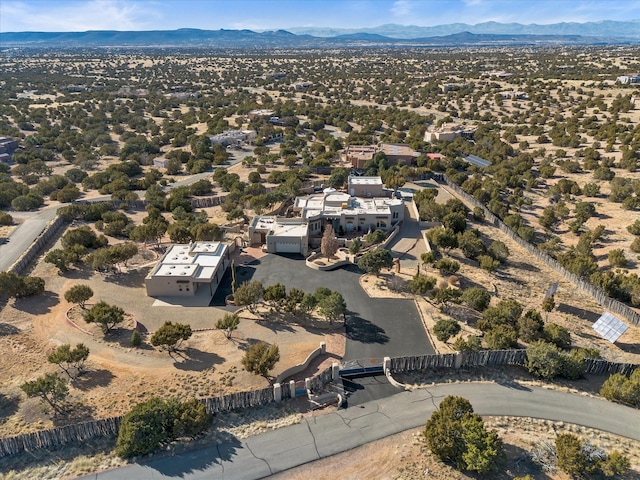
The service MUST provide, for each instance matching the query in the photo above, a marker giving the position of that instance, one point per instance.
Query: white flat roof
(195, 260)
(332, 204)
(355, 180)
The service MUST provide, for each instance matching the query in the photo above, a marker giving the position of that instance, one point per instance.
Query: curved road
(318, 437)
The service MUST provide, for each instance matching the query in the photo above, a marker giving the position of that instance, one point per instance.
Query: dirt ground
(120, 376)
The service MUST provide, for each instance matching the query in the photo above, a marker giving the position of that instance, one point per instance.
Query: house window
(395, 214)
(381, 224)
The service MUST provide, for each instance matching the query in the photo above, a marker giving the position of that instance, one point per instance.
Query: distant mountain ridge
(190, 37)
(604, 28)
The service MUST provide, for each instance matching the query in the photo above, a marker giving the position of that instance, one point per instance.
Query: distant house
(187, 268)
(448, 133)
(627, 79)
(7, 147)
(280, 235)
(302, 85)
(399, 153)
(233, 137)
(160, 162)
(253, 114)
(513, 95)
(359, 155)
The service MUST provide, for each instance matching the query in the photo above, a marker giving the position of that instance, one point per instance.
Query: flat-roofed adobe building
(365, 186)
(187, 268)
(352, 214)
(359, 155)
(399, 153)
(280, 235)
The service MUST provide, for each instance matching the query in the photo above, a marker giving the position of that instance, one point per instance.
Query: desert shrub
(445, 329)
(477, 298)
(558, 335)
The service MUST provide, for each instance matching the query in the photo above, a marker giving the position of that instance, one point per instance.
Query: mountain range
(482, 34)
(605, 28)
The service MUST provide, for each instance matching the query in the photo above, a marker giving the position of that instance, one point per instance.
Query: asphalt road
(375, 328)
(322, 436)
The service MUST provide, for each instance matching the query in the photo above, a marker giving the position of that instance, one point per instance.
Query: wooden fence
(37, 246)
(598, 295)
(493, 358)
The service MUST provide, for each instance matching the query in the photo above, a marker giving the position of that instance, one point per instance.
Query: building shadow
(244, 273)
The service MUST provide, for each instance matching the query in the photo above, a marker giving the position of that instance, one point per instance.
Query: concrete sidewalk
(318, 437)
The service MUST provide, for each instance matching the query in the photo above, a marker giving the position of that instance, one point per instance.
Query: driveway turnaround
(375, 327)
(318, 437)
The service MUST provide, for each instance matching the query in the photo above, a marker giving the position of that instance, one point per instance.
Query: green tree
(79, 294)
(544, 360)
(275, 295)
(190, 419)
(375, 260)
(249, 294)
(420, 284)
(571, 458)
(619, 388)
(615, 465)
(499, 251)
(447, 265)
(105, 315)
(558, 335)
(446, 328)
(530, 326)
(171, 335)
(548, 304)
(488, 263)
(471, 344)
(145, 427)
(260, 358)
(228, 324)
(501, 337)
(332, 307)
(69, 359)
(456, 434)
(617, 258)
(355, 246)
(477, 298)
(375, 237)
(50, 387)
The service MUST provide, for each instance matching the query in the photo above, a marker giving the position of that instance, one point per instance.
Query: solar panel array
(610, 327)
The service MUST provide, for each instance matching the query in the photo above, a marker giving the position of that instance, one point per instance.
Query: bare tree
(329, 244)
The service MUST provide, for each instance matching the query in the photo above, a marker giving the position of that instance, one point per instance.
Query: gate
(363, 366)
(301, 388)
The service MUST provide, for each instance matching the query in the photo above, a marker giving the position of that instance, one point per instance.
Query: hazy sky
(82, 15)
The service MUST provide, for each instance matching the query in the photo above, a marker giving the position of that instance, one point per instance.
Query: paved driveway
(375, 328)
(313, 438)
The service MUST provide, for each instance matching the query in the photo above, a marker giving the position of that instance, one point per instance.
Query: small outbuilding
(187, 268)
(280, 235)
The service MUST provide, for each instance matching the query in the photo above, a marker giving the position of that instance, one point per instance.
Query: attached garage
(290, 246)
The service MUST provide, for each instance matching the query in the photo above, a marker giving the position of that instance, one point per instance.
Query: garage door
(288, 247)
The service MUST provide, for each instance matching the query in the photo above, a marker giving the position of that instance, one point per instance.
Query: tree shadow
(73, 413)
(628, 347)
(132, 278)
(39, 304)
(360, 330)
(8, 329)
(521, 464)
(82, 273)
(276, 326)
(246, 343)
(93, 378)
(198, 460)
(512, 384)
(195, 360)
(9, 405)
